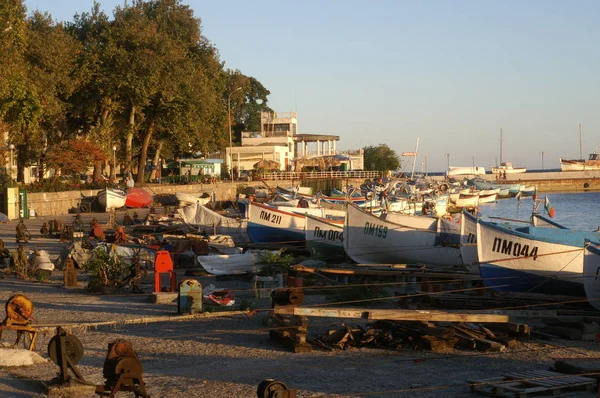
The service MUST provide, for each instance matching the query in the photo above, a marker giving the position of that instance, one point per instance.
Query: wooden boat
(138, 198)
(532, 259)
(372, 240)
(592, 163)
(324, 236)
(186, 199)
(591, 273)
(112, 198)
(212, 223)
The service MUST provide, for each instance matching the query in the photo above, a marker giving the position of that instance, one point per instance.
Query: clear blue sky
(450, 72)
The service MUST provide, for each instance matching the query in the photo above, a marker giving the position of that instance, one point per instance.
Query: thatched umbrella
(267, 165)
(310, 162)
(332, 161)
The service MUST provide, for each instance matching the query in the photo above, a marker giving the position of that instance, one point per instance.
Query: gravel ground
(229, 356)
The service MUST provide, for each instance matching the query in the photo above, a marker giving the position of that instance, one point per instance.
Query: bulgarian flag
(549, 207)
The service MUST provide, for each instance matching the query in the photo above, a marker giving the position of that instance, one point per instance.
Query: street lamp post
(230, 140)
(11, 147)
(542, 153)
(447, 160)
(114, 170)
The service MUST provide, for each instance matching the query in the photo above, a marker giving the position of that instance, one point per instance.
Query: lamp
(230, 141)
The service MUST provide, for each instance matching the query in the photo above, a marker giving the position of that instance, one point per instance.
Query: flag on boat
(409, 154)
(549, 207)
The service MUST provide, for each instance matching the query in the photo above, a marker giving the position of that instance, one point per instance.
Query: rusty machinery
(270, 388)
(19, 314)
(122, 371)
(65, 350)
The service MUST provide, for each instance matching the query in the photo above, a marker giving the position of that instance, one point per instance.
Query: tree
(75, 156)
(380, 158)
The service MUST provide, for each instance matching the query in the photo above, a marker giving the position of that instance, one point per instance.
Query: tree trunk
(156, 161)
(130, 133)
(98, 171)
(20, 152)
(144, 152)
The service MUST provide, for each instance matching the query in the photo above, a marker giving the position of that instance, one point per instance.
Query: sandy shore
(230, 355)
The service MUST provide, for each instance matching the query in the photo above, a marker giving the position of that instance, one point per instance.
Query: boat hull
(229, 264)
(551, 259)
(579, 165)
(371, 240)
(324, 237)
(268, 225)
(111, 198)
(591, 274)
(138, 198)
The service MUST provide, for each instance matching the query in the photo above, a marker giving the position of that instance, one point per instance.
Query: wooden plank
(391, 315)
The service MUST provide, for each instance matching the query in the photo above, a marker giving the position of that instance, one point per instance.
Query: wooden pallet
(532, 383)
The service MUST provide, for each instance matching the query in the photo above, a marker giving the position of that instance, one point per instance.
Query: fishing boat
(532, 259)
(209, 222)
(591, 273)
(324, 236)
(508, 168)
(592, 163)
(267, 224)
(186, 199)
(138, 198)
(112, 198)
(488, 195)
(372, 240)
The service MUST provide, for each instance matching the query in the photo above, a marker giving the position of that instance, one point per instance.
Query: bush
(106, 271)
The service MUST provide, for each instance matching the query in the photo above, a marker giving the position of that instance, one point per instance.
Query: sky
(451, 73)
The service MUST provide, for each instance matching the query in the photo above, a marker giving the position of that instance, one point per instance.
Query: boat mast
(501, 143)
(412, 174)
(580, 153)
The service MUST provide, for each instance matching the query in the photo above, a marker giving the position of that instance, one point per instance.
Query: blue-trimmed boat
(532, 259)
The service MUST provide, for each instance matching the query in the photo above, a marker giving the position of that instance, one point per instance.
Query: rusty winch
(19, 314)
(270, 388)
(122, 371)
(65, 350)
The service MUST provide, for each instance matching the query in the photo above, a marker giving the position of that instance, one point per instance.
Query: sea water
(580, 210)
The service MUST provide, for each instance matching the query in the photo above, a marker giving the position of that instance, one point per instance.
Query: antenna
(501, 144)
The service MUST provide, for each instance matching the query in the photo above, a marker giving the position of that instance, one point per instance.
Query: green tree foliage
(380, 158)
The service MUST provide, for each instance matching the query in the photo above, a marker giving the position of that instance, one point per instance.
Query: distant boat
(508, 168)
(592, 163)
(461, 171)
(138, 198)
(112, 198)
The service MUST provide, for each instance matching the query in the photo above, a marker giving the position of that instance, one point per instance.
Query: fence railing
(292, 175)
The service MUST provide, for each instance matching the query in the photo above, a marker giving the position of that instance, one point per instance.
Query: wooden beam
(391, 315)
(383, 272)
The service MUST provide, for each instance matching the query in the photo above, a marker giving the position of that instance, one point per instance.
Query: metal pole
(542, 153)
(230, 141)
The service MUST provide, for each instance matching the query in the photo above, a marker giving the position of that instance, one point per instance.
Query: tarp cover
(204, 218)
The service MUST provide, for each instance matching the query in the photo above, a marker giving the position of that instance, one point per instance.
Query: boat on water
(532, 259)
(405, 240)
(508, 168)
(138, 198)
(112, 198)
(325, 237)
(591, 273)
(592, 163)
(465, 171)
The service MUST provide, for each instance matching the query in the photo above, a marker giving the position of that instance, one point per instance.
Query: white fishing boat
(591, 273)
(186, 199)
(372, 240)
(325, 237)
(212, 223)
(592, 163)
(230, 264)
(488, 196)
(508, 168)
(112, 198)
(531, 259)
